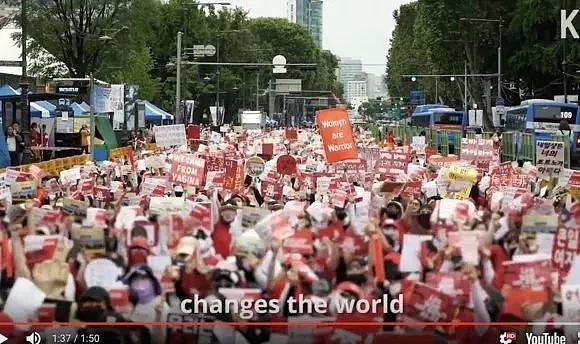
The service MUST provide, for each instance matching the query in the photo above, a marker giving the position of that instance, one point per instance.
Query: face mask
(228, 216)
(178, 194)
(395, 288)
(456, 260)
(358, 279)
(90, 314)
(144, 289)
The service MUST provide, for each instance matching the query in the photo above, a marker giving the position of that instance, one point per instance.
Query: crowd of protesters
(117, 241)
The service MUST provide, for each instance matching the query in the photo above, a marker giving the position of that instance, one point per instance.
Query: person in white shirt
(15, 146)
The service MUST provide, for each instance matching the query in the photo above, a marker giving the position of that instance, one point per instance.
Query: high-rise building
(348, 69)
(356, 89)
(307, 13)
(371, 85)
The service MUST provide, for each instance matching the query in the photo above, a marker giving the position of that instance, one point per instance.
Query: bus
(545, 117)
(442, 117)
(437, 116)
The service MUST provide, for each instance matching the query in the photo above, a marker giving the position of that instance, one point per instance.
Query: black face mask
(90, 314)
(178, 194)
(358, 279)
(456, 261)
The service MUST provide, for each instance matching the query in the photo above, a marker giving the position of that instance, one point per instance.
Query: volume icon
(33, 338)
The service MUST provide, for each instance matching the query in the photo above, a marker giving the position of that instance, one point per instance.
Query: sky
(358, 29)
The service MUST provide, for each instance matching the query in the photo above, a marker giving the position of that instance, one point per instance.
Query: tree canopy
(135, 42)
(440, 36)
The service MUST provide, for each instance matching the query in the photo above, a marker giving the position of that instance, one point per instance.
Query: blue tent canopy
(47, 106)
(85, 106)
(38, 111)
(153, 113)
(4, 155)
(7, 90)
(79, 109)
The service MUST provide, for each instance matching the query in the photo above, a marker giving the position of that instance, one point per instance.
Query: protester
(15, 146)
(85, 135)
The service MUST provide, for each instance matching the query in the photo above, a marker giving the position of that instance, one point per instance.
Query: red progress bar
(264, 323)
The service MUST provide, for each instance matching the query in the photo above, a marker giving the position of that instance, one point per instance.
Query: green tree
(138, 72)
(402, 59)
(70, 30)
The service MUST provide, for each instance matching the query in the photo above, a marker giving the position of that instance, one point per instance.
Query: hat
(142, 270)
(98, 294)
(178, 188)
(186, 245)
(228, 206)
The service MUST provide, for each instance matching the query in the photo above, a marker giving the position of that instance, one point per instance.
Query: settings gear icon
(507, 338)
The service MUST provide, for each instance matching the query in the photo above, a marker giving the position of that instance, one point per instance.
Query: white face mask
(395, 288)
(346, 221)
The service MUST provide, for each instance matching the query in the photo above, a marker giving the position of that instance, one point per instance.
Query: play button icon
(2, 338)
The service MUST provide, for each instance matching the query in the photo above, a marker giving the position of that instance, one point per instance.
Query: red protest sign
(214, 163)
(565, 248)
(192, 132)
(393, 160)
(453, 283)
(337, 136)
(532, 275)
(286, 164)
(291, 134)
(102, 193)
(87, 186)
(300, 242)
(187, 169)
(429, 304)
(574, 179)
(271, 189)
(201, 212)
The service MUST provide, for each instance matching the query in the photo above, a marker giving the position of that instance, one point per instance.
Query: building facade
(307, 13)
(356, 89)
(348, 69)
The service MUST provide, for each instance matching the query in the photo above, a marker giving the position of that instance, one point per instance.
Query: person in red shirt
(35, 139)
(34, 135)
(221, 235)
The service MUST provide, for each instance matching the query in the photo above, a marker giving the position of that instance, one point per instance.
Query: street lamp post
(178, 61)
(178, 78)
(217, 91)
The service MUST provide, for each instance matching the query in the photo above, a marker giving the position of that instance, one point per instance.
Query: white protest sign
(170, 135)
(11, 176)
(70, 176)
(550, 158)
(160, 205)
(410, 255)
(24, 300)
(418, 144)
(571, 302)
(102, 273)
